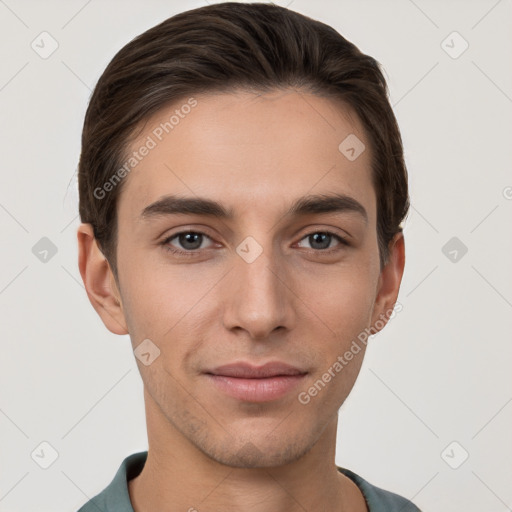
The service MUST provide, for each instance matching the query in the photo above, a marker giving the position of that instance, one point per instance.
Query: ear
(389, 284)
(99, 281)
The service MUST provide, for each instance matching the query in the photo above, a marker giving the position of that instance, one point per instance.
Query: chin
(260, 451)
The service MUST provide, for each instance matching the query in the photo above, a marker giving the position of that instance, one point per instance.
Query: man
(242, 188)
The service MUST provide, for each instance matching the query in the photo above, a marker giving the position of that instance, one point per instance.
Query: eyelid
(331, 230)
(308, 230)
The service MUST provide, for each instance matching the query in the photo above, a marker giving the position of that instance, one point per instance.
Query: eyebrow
(311, 204)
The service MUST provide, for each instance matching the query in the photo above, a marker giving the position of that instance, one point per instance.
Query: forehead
(250, 151)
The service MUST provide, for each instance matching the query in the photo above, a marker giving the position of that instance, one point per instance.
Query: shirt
(116, 498)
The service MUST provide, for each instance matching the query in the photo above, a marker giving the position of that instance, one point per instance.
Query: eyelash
(194, 252)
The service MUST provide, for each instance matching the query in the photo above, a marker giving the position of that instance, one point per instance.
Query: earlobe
(99, 281)
(389, 283)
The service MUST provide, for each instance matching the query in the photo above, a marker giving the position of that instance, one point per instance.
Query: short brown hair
(223, 47)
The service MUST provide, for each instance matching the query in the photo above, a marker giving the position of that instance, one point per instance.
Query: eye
(191, 241)
(321, 240)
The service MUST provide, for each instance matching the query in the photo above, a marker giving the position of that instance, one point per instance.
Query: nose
(259, 294)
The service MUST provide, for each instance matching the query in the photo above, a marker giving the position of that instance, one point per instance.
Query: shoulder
(115, 497)
(377, 499)
(95, 504)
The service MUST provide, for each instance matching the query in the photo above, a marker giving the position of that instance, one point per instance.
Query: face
(265, 283)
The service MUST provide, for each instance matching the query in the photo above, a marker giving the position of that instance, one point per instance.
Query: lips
(248, 383)
(245, 370)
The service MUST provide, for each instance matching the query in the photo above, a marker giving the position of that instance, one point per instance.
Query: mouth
(249, 383)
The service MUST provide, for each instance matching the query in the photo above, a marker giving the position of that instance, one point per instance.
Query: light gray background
(438, 373)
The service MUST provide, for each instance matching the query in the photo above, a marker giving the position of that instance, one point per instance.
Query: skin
(255, 154)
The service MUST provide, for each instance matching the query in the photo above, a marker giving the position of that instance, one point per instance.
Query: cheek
(345, 307)
(350, 310)
(154, 297)
(340, 300)
(170, 308)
